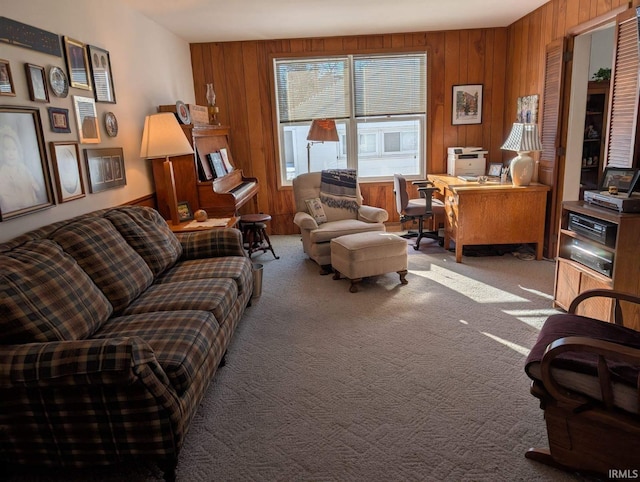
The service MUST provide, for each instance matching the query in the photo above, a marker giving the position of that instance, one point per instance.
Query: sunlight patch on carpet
(514, 346)
(471, 288)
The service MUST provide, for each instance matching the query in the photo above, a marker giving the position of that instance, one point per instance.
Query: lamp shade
(322, 130)
(523, 138)
(163, 137)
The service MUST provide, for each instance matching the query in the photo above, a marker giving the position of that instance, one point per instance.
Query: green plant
(602, 74)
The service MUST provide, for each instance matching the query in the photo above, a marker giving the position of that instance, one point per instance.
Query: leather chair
(317, 236)
(425, 207)
(586, 374)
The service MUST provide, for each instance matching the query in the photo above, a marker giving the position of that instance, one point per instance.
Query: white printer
(466, 161)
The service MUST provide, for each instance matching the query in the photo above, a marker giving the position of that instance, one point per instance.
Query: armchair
(318, 232)
(422, 208)
(586, 374)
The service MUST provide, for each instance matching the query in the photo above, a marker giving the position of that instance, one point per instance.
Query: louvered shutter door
(623, 106)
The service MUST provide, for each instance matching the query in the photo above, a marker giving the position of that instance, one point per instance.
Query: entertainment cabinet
(585, 263)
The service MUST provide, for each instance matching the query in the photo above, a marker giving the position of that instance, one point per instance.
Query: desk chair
(422, 208)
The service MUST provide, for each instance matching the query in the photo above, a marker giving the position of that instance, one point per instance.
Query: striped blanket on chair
(338, 189)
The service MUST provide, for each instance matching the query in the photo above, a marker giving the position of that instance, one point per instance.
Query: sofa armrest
(372, 214)
(304, 221)
(211, 243)
(115, 361)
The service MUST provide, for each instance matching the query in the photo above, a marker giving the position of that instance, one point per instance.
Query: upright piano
(221, 197)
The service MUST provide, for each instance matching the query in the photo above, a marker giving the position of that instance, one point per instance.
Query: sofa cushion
(180, 340)
(217, 295)
(149, 234)
(327, 231)
(46, 296)
(234, 267)
(107, 258)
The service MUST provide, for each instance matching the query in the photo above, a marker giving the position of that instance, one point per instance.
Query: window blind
(312, 89)
(390, 85)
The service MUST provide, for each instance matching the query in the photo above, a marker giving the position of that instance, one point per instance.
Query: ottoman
(360, 255)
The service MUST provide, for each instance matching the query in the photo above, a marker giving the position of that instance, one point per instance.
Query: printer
(466, 161)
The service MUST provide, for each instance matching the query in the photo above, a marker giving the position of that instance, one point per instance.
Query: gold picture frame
(77, 64)
(86, 120)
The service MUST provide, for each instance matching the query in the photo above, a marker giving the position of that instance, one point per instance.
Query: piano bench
(254, 233)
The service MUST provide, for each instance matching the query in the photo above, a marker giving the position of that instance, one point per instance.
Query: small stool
(254, 230)
(361, 255)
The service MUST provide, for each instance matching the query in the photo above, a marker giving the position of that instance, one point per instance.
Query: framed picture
(495, 169)
(105, 168)
(77, 64)
(101, 73)
(65, 157)
(59, 119)
(6, 80)
(184, 211)
(467, 104)
(25, 182)
(527, 109)
(86, 120)
(217, 164)
(37, 83)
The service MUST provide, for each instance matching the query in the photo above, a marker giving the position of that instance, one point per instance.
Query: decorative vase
(211, 95)
(521, 169)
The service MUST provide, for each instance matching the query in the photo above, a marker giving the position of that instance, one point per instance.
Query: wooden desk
(491, 213)
(187, 227)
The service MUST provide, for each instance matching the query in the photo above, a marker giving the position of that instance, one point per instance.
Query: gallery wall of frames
(35, 175)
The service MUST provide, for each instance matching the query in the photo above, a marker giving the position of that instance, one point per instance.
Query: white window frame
(350, 131)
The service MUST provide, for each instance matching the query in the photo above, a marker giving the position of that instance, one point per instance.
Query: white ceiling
(227, 20)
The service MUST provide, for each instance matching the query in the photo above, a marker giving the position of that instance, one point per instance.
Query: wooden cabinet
(594, 135)
(587, 260)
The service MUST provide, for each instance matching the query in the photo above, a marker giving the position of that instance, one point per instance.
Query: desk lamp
(163, 137)
(321, 130)
(523, 139)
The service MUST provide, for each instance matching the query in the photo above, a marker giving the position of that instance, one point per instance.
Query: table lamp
(163, 137)
(321, 130)
(523, 139)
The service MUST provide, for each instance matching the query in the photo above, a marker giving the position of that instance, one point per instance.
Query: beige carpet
(416, 382)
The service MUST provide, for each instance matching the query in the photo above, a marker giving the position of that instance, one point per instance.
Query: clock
(59, 82)
(111, 124)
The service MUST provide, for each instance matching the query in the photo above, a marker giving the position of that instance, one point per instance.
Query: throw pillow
(314, 206)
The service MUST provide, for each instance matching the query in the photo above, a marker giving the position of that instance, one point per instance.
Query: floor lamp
(321, 130)
(163, 137)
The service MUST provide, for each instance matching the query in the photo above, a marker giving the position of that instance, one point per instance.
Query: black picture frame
(105, 168)
(65, 157)
(59, 120)
(495, 169)
(37, 83)
(28, 188)
(184, 211)
(6, 79)
(100, 64)
(217, 164)
(77, 63)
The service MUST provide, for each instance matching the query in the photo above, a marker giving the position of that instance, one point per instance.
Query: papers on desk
(468, 178)
(208, 224)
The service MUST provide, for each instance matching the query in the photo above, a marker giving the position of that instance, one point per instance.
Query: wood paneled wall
(509, 62)
(242, 74)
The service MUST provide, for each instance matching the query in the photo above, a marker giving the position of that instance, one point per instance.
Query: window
(378, 103)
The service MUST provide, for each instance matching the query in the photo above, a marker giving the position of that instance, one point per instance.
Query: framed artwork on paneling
(467, 104)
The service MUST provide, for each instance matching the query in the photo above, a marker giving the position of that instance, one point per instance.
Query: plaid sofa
(111, 328)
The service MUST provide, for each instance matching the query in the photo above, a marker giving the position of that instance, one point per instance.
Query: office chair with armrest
(417, 209)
